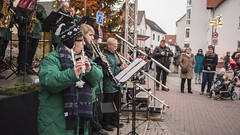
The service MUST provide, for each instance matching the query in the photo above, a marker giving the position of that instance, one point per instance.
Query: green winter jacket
(5, 33)
(115, 68)
(37, 31)
(56, 39)
(51, 120)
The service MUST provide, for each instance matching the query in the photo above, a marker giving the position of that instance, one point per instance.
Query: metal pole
(160, 65)
(135, 28)
(126, 29)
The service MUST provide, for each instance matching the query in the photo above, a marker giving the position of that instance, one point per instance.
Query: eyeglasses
(78, 40)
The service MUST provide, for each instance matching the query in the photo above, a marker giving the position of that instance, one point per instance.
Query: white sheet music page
(127, 73)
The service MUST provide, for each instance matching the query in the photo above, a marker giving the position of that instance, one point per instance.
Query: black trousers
(97, 114)
(159, 70)
(188, 82)
(110, 118)
(3, 47)
(27, 50)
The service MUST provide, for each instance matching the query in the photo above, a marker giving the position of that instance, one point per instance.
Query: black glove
(1, 15)
(100, 63)
(39, 14)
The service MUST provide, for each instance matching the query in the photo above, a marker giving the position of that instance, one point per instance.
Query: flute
(99, 53)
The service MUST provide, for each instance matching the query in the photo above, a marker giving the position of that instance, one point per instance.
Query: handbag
(184, 70)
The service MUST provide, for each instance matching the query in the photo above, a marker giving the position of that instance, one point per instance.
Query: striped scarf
(74, 108)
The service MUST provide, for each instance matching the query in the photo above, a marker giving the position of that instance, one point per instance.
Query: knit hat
(68, 32)
(210, 46)
(64, 3)
(188, 48)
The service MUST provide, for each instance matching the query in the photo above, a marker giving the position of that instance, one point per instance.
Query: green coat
(37, 31)
(56, 39)
(51, 120)
(5, 33)
(115, 68)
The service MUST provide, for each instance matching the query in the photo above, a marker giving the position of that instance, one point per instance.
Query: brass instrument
(7, 14)
(32, 20)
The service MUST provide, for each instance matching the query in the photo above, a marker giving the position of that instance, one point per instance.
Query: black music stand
(124, 76)
(55, 19)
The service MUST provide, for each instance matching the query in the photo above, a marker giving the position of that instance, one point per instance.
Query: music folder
(128, 72)
(55, 19)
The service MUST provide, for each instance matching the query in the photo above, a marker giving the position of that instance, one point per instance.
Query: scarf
(188, 55)
(211, 55)
(74, 108)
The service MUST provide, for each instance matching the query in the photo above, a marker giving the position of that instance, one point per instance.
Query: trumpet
(99, 53)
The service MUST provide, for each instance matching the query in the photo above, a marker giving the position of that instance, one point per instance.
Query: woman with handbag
(187, 64)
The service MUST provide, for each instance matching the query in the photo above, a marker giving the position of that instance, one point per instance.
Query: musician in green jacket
(110, 93)
(5, 35)
(28, 39)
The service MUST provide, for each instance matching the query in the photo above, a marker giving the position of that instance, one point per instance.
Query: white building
(156, 34)
(198, 31)
(149, 33)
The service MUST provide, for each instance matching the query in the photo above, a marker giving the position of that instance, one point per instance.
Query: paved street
(194, 114)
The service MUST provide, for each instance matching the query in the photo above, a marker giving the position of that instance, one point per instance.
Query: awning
(142, 37)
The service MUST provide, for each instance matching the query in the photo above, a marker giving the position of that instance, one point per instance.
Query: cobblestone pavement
(194, 114)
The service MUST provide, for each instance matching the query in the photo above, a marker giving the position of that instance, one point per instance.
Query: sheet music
(127, 73)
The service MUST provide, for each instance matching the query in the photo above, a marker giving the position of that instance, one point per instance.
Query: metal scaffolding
(131, 16)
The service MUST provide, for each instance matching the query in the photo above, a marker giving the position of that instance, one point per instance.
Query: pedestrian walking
(227, 60)
(199, 66)
(187, 63)
(209, 67)
(176, 58)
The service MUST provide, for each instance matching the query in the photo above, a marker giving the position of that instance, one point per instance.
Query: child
(220, 78)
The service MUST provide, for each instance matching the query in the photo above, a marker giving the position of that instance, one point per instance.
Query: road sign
(215, 35)
(99, 18)
(215, 41)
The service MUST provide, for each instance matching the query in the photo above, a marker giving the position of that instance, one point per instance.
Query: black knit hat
(68, 32)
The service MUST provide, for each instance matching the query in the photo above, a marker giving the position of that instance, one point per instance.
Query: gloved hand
(39, 14)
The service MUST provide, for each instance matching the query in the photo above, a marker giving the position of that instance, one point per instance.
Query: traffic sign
(215, 35)
(215, 41)
(99, 19)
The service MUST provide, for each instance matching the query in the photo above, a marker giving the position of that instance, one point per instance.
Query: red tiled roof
(172, 41)
(213, 3)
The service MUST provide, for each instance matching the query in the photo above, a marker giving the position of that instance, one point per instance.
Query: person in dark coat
(176, 58)
(210, 62)
(187, 61)
(28, 41)
(162, 54)
(199, 66)
(227, 60)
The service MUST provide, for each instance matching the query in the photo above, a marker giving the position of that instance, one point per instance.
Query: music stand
(124, 76)
(55, 19)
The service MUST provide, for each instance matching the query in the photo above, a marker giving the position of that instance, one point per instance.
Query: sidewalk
(194, 114)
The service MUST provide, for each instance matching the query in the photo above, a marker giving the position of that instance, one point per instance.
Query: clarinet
(99, 53)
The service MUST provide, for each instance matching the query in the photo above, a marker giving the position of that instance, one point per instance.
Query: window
(153, 36)
(189, 2)
(238, 44)
(186, 45)
(187, 33)
(170, 40)
(188, 17)
(158, 38)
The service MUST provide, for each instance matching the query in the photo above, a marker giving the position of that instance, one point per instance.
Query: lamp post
(215, 23)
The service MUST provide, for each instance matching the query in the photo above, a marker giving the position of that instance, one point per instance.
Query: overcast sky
(164, 12)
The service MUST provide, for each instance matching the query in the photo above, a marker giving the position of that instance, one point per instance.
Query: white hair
(111, 41)
(64, 3)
